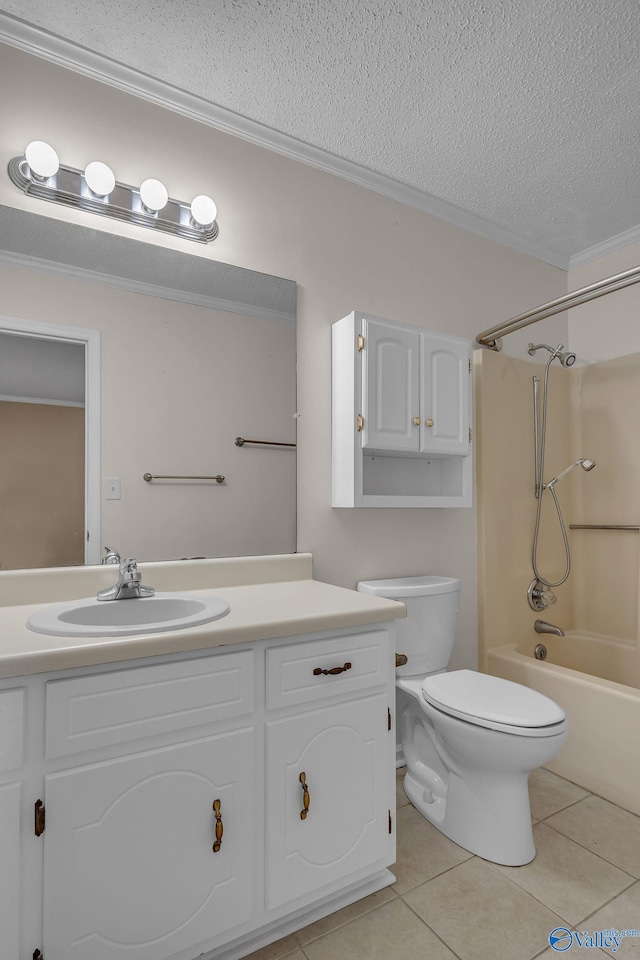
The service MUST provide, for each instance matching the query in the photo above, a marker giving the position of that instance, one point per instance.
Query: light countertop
(268, 597)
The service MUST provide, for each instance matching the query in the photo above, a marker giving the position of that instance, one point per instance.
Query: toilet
(469, 740)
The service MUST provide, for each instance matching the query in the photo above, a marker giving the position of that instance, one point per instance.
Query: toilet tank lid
(466, 692)
(399, 587)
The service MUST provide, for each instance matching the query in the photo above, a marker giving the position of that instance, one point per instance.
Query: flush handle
(306, 798)
(219, 827)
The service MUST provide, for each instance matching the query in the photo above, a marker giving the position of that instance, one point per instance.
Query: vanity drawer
(11, 728)
(290, 669)
(108, 708)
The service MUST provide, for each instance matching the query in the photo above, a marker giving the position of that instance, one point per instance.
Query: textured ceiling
(521, 112)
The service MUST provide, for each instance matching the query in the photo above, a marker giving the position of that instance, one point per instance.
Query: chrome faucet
(129, 584)
(541, 626)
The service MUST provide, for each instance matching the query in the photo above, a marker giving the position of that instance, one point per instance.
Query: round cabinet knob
(429, 422)
(416, 421)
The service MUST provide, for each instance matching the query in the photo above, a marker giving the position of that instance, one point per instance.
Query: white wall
(607, 327)
(347, 248)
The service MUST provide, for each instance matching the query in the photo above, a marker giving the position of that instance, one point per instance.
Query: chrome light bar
(68, 186)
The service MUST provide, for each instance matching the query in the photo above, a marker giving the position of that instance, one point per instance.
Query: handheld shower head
(584, 462)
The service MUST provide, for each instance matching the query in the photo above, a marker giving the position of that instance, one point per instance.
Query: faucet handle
(540, 596)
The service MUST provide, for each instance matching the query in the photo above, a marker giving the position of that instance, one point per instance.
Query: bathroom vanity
(198, 792)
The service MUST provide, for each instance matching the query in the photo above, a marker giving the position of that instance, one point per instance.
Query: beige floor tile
(603, 828)
(570, 880)
(623, 913)
(482, 915)
(549, 793)
(287, 947)
(422, 851)
(392, 932)
(340, 917)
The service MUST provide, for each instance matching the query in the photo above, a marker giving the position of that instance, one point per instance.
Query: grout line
(599, 855)
(421, 883)
(345, 923)
(577, 926)
(568, 806)
(424, 922)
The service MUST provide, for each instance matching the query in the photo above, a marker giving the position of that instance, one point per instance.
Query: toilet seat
(492, 702)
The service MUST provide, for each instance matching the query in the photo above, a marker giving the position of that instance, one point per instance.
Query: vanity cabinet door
(390, 387)
(10, 870)
(130, 868)
(341, 755)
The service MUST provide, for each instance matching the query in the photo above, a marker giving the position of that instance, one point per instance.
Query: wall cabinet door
(130, 869)
(10, 871)
(445, 395)
(343, 752)
(390, 387)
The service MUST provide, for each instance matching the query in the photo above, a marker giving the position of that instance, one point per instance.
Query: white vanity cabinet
(172, 798)
(400, 415)
(11, 801)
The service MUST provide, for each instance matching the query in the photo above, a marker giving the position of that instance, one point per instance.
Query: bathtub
(597, 683)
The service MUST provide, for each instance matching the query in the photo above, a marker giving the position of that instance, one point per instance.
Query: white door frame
(91, 341)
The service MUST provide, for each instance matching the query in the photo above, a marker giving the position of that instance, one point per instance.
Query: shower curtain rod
(491, 338)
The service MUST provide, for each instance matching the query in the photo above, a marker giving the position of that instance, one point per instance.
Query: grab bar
(603, 526)
(158, 476)
(240, 442)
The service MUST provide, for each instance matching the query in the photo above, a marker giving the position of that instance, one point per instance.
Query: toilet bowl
(469, 740)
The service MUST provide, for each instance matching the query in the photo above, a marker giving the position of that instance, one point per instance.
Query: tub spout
(541, 626)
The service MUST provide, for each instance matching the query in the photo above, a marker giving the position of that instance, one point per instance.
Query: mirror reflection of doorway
(42, 452)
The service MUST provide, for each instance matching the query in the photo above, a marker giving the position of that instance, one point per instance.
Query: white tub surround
(216, 789)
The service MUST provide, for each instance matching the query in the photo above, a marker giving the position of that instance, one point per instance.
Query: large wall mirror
(120, 358)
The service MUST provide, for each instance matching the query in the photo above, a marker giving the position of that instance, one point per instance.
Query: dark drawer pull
(334, 670)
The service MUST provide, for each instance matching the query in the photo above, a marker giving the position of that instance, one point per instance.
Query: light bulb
(154, 195)
(99, 178)
(203, 210)
(42, 160)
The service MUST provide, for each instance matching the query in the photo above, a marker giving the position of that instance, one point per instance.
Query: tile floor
(448, 904)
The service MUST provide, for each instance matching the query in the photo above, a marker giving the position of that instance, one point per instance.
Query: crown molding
(18, 33)
(607, 246)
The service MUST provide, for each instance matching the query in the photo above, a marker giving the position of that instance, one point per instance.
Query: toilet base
(496, 828)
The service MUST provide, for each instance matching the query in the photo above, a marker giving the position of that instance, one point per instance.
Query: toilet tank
(426, 636)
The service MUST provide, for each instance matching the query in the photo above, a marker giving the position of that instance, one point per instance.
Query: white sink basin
(120, 618)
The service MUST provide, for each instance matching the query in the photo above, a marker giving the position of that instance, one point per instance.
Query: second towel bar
(158, 476)
(603, 526)
(240, 442)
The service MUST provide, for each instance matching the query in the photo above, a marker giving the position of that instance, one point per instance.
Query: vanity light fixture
(100, 179)
(40, 174)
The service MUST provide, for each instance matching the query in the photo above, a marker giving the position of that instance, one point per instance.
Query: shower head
(584, 462)
(566, 359)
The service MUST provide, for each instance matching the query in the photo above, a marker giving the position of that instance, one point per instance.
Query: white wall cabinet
(401, 416)
(143, 768)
